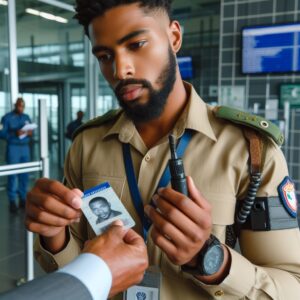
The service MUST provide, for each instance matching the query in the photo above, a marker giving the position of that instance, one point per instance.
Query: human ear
(175, 36)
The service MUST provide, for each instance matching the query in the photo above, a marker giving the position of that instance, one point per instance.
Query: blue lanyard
(164, 181)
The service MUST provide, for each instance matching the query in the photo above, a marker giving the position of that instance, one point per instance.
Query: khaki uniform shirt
(217, 159)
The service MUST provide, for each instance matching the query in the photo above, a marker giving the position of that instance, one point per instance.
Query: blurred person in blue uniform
(17, 151)
(72, 126)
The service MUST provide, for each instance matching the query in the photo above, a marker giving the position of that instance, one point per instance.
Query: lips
(131, 92)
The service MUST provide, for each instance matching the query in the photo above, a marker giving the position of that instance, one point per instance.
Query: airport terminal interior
(239, 53)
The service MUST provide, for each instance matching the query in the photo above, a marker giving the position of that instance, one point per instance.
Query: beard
(157, 99)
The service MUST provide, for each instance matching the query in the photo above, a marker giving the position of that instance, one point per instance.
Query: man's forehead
(99, 202)
(123, 19)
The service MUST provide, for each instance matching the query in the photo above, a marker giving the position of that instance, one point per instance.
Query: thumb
(133, 238)
(117, 230)
(79, 195)
(78, 192)
(194, 193)
(117, 223)
(86, 243)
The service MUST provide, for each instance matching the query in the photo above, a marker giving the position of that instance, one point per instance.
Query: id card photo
(101, 206)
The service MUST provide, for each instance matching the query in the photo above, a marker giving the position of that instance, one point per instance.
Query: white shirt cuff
(93, 272)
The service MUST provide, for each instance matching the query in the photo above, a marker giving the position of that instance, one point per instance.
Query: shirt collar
(123, 127)
(195, 116)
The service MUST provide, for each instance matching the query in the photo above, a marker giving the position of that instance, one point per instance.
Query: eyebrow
(120, 41)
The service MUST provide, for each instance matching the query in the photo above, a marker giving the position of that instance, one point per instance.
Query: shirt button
(219, 293)
(147, 157)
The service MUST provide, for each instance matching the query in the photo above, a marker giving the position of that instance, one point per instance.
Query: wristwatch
(209, 260)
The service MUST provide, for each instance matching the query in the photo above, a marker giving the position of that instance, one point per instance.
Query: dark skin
(80, 115)
(122, 242)
(185, 221)
(130, 43)
(128, 60)
(19, 109)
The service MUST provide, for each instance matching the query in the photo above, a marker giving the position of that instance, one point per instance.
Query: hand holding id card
(101, 206)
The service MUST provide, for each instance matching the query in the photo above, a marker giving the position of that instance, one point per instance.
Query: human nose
(123, 67)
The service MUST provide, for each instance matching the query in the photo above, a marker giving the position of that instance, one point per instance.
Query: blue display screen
(271, 49)
(185, 67)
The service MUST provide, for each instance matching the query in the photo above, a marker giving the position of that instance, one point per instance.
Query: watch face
(213, 260)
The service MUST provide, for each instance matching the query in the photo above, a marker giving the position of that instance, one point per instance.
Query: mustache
(143, 82)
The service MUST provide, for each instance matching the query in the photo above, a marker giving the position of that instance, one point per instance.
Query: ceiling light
(3, 2)
(59, 4)
(32, 11)
(46, 15)
(61, 20)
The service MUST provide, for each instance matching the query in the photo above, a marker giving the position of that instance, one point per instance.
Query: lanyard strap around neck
(164, 181)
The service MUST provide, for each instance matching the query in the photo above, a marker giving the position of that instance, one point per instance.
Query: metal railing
(38, 166)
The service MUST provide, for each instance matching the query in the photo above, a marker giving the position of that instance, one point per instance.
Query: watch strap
(198, 269)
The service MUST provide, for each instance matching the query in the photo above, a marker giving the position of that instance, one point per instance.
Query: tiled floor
(12, 247)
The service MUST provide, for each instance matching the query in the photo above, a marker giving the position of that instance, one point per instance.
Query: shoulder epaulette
(255, 122)
(110, 115)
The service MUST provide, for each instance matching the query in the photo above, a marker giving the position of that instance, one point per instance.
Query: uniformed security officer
(135, 43)
(17, 151)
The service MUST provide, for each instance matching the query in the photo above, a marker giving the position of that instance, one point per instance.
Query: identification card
(148, 289)
(101, 206)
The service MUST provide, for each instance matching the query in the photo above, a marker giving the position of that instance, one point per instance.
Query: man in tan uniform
(135, 43)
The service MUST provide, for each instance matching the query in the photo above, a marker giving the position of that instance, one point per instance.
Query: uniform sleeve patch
(287, 194)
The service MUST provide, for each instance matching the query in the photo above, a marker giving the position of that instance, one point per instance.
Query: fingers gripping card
(101, 206)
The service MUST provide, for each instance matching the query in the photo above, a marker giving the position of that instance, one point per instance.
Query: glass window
(228, 26)
(51, 59)
(227, 56)
(78, 101)
(5, 102)
(286, 18)
(106, 98)
(286, 5)
(228, 11)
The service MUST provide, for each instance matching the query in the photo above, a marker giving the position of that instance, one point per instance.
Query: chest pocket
(92, 179)
(223, 208)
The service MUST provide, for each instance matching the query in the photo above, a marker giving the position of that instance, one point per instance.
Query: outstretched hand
(125, 253)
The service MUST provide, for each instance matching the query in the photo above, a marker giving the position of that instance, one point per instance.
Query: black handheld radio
(178, 180)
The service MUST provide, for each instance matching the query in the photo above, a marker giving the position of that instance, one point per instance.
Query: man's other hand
(181, 224)
(20, 132)
(125, 253)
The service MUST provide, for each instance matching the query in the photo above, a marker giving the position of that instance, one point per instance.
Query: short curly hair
(87, 10)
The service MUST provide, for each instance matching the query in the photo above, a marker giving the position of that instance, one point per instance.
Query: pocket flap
(117, 183)
(223, 208)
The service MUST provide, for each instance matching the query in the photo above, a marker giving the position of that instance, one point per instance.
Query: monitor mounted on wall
(271, 49)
